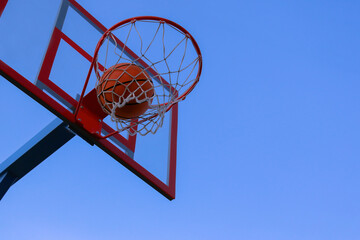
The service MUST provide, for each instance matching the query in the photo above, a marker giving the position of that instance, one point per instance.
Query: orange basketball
(128, 83)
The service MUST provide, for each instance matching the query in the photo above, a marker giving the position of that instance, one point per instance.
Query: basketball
(127, 84)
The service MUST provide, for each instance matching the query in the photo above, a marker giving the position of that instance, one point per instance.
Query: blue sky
(268, 143)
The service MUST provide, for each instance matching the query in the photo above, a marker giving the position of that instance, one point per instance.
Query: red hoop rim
(169, 22)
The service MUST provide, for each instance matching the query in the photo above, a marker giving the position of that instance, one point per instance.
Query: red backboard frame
(2, 6)
(52, 98)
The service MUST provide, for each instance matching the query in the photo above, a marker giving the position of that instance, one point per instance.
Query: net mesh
(167, 69)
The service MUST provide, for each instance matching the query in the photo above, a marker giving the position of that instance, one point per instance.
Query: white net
(161, 68)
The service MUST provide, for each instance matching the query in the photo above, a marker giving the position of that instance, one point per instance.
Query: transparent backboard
(59, 44)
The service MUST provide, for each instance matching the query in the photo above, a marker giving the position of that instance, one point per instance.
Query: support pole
(32, 153)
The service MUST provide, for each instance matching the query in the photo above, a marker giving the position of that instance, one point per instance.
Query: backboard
(58, 83)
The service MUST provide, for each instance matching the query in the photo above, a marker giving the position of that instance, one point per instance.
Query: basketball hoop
(166, 58)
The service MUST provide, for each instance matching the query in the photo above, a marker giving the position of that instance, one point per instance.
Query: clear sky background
(268, 145)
